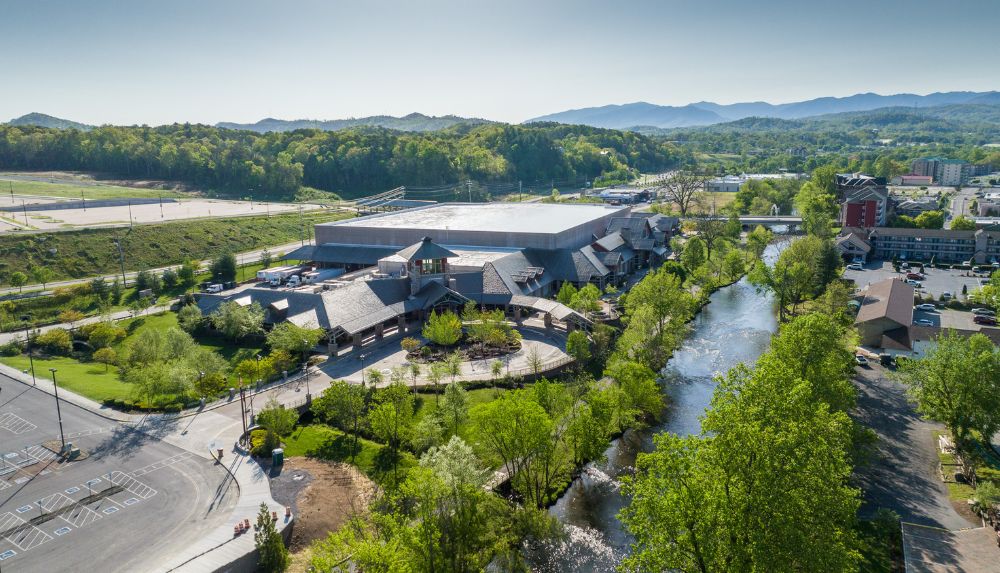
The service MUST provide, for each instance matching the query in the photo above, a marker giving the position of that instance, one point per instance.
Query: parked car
(946, 295)
(855, 267)
(886, 359)
(214, 288)
(923, 322)
(982, 319)
(915, 276)
(983, 312)
(861, 360)
(904, 266)
(912, 282)
(925, 306)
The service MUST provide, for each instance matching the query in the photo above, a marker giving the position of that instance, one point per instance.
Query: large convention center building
(393, 268)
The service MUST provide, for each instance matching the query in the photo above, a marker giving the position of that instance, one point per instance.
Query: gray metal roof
(610, 242)
(425, 250)
(342, 254)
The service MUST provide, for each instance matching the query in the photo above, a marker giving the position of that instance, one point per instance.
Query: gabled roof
(633, 226)
(891, 298)
(425, 250)
(609, 242)
(661, 222)
(856, 239)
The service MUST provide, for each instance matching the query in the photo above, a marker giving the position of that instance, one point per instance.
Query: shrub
(265, 443)
(55, 341)
(443, 329)
(12, 348)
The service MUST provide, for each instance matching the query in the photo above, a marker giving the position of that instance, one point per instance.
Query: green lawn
(428, 404)
(960, 492)
(91, 380)
(164, 320)
(323, 442)
(85, 378)
(90, 190)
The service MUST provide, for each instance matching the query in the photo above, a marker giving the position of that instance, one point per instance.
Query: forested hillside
(350, 162)
(769, 144)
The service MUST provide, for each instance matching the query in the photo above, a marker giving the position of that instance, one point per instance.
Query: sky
(154, 62)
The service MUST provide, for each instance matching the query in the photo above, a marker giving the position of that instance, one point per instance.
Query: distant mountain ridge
(43, 120)
(643, 114)
(411, 122)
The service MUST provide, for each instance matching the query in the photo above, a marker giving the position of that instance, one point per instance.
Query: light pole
(62, 437)
(362, 357)
(27, 347)
(305, 371)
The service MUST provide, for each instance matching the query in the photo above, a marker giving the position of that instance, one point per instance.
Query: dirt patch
(323, 495)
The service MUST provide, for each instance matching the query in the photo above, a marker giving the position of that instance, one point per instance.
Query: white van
(214, 288)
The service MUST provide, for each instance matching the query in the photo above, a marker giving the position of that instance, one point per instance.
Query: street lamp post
(27, 347)
(362, 357)
(62, 437)
(305, 371)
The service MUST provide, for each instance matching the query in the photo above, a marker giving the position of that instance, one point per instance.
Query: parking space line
(15, 424)
(23, 535)
(161, 464)
(54, 502)
(8, 520)
(41, 453)
(80, 516)
(133, 485)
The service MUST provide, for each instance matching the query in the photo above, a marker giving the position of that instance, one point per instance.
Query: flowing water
(735, 327)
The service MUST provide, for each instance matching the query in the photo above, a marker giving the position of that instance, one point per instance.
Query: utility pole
(302, 227)
(519, 188)
(121, 260)
(24, 209)
(129, 213)
(84, 199)
(161, 206)
(468, 184)
(62, 437)
(11, 185)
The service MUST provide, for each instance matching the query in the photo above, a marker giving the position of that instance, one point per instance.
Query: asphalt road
(902, 475)
(961, 204)
(162, 500)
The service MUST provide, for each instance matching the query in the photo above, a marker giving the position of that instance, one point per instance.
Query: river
(736, 326)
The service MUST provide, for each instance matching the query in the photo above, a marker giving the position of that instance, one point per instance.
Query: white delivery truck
(278, 275)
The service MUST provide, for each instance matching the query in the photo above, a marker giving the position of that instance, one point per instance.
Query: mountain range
(642, 114)
(639, 116)
(42, 120)
(411, 122)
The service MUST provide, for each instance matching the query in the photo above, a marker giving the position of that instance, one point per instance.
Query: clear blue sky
(134, 61)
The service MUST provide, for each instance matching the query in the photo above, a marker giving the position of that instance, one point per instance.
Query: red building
(864, 200)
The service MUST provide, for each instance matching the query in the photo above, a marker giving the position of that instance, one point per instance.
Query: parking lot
(937, 281)
(134, 501)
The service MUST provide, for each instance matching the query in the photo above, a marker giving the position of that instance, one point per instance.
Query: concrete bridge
(750, 221)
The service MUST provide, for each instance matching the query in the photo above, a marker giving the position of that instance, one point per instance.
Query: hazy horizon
(227, 61)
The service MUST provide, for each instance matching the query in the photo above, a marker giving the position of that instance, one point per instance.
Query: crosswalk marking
(161, 464)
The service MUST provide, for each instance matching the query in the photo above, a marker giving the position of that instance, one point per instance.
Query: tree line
(350, 162)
